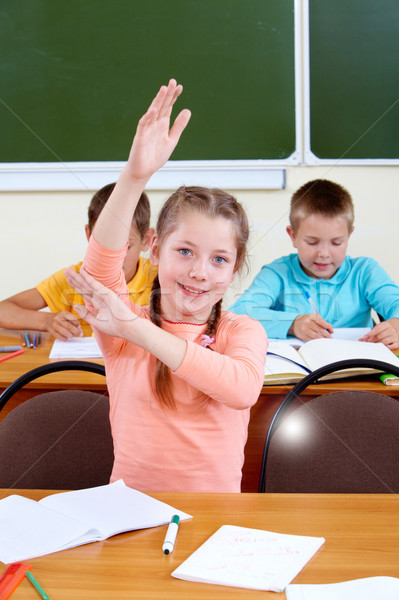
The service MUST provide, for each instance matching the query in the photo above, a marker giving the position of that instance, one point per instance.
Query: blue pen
(312, 304)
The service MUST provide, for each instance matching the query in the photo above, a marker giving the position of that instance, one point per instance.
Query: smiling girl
(181, 374)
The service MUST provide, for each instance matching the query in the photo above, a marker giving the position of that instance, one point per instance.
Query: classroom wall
(44, 231)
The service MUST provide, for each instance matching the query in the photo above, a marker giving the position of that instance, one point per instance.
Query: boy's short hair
(321, 197)
(141, 217)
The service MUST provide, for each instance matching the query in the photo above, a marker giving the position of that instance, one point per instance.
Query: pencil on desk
(11, 355)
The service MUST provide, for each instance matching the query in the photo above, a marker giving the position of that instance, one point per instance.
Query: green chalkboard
(77, 74)
(354, 79)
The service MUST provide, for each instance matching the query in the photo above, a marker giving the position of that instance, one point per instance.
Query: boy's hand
(386, 332)
(310, 327)
(63, 325)
(155, 141)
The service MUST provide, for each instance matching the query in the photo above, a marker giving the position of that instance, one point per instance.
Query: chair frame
(62, 365)
(311, 379)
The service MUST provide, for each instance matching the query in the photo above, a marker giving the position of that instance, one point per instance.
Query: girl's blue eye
(185, 251)
(220, 260)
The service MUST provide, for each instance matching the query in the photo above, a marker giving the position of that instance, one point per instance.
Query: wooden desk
(361, 532)
(13, 368)
(261, 413)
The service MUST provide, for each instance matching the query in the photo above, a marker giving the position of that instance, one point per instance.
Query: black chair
(342, 442)
(56, 440)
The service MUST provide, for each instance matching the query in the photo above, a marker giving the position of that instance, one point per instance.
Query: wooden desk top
(361, 532)
(368, 383)
(13, 368)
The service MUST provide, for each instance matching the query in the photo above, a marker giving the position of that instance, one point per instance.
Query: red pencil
(11, 354)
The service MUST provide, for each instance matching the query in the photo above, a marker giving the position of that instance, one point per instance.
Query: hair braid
(213, 320)
(163, 380)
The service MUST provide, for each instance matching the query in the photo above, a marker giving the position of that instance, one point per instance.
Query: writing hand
(310, 327)
(386, 332)
(104, 309)
(155, 140)
(63, 325)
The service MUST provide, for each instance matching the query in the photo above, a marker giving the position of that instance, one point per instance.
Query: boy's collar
(301, 277)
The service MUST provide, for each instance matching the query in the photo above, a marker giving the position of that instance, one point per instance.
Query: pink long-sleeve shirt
(199, 446)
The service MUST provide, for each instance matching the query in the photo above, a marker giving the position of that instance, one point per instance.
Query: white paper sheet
(370, 588)
(249, 558)
(77, 347)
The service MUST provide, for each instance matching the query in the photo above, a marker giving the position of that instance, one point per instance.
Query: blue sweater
(277, 295)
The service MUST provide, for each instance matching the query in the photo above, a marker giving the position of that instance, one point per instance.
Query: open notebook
(68, 519)
(284, 364)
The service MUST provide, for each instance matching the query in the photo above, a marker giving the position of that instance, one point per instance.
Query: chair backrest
(54, 367)
(341, 442)
(57, 440)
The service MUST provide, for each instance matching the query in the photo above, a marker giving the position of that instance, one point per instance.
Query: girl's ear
(291, 233)
(154, 250)
(87, 231)
(146, 241)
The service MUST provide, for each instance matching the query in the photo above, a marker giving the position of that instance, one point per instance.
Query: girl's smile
(196, 264)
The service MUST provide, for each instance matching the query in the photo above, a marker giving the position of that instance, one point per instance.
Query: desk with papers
(361, 533)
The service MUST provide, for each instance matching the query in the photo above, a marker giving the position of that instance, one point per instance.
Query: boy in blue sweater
(342, 290)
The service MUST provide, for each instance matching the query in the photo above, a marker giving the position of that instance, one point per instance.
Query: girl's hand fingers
(173, 91)
(86, 286)
(179, 125)
(159, 99)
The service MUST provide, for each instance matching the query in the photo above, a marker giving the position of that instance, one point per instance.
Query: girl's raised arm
(152, 146)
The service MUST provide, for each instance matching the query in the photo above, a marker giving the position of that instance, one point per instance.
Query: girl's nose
(198, 269)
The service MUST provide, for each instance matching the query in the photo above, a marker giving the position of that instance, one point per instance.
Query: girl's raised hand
(155, 139)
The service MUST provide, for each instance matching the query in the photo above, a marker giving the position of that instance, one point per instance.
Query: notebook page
(249, 558)
(278, 364)
(29, 529)
(113, 508)
(76, 347)
(370, 588)
(320, 352)
(349, 333)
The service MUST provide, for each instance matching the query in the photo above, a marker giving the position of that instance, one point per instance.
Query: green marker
(37, 585)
